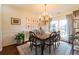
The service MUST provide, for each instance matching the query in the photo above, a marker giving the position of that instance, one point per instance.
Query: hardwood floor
(10, 50)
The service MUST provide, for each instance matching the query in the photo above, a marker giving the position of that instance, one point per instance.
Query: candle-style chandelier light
(45, 17)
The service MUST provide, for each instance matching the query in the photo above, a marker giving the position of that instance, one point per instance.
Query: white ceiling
(53, 9)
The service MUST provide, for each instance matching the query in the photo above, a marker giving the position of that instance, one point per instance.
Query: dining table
(43, 37)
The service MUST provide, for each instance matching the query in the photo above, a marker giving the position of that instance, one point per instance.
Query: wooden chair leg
(35, 50)
(72, 49)
(58, 44)
(31, 46)
(54, 48)
(49, 49)
(55, 45)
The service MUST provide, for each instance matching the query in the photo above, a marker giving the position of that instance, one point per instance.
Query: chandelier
(45, 17)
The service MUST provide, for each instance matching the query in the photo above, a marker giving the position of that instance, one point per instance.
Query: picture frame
(15, 21)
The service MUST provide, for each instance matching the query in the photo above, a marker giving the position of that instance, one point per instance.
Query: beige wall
(10, 30)
(0, 29)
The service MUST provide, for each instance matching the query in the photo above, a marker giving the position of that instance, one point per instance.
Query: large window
(54, 26)
(60, 25)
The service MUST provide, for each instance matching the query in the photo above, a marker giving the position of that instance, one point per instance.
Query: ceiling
(53, 9)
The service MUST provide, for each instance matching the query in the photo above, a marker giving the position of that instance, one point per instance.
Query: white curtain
(70, 24)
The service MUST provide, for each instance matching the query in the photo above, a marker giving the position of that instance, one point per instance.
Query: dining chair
(34, 41)
(56, 39)
(50, 42)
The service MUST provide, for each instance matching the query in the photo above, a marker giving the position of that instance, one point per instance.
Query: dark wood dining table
(42, 37)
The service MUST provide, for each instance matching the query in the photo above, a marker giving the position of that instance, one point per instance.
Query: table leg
(42, 48)
(72, 49)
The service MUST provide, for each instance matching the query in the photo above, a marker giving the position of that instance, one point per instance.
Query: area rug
(63, 49)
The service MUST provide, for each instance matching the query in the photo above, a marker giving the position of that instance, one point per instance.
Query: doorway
(62, 26)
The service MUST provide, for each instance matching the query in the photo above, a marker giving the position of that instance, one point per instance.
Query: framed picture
(15, 21)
